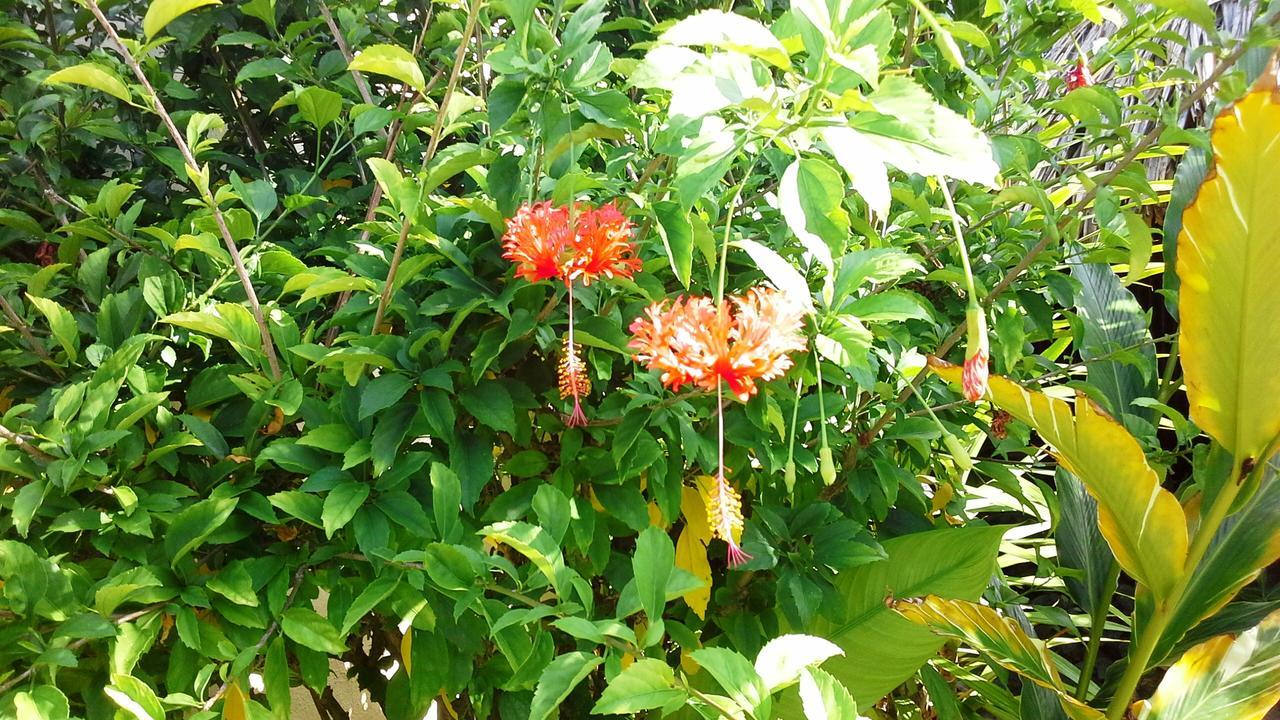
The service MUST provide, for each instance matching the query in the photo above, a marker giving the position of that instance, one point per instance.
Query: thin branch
(294, 586)
(23, 329)
(36, 453)
(122, 619)
(472, 12)
(1228, 61)
(268, 346)
(356, 75)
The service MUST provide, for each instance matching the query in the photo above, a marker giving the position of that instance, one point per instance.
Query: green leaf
(1143, 523)
(535, 544)
(234, 583)
(61, 323)
(490, 403)
(44, 702)
(446, 500)
(581, 27)
(863, 163)
(1113, 319)
(558, 680)
(824, 698)
(881, 649)
(728, 31)
(780, 272)
(998, 638)
(782, 659)
(1226, 678)
(654, 557)
(392, 61)
(94, 76)
(1246, 543)
(307, 628)
(162, 12)
(917, 135)
(319, 106)
(134, 697)
(1227, 263)
(889, 306)
(194, 524)
(381, 393)
(368, 599)
(341, 504)
(263, 68)
(738, 678)
(1197, 11)
(809, 196)
(645, 684)
(1139, 246)
(677, 238)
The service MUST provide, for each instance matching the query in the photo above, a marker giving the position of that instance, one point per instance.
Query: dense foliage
(539, 358)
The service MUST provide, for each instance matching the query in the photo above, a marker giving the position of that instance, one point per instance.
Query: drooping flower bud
(976, 371)
(826, 466)
(958, 451)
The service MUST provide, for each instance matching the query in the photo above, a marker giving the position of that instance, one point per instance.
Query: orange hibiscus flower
(741, 340)
(745, 339)
(579, 243)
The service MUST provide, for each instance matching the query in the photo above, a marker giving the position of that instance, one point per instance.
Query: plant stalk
(268, 346)
(1097, 622)
(384, 299)
(1163, 612)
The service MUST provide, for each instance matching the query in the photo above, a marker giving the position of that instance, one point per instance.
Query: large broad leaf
(1228, 264)
(1113, 320)
(1246, 543)
(882, 649)
(1081, 546)
(1141, 521)
(999, 639)
(1226, 678)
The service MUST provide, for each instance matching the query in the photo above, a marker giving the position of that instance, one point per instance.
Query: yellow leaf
(691, 549)
(233, 704)
(1141, 521)
(1224, 678)
(406, 651)
(1228, 263)
(655, 516)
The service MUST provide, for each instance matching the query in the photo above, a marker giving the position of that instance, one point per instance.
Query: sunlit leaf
(162, 12)
(1141, 521)
(1228, 264)
(1226, 678)
(94, 76)
(392, 61)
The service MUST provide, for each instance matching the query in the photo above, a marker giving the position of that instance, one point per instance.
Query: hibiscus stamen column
(573, 379)
(724, 511)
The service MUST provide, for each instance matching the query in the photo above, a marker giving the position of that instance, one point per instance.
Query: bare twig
(268, 346)
(472, 12)
(356, 75)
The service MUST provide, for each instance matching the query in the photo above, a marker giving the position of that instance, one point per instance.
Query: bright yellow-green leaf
(999, 638)
(61, 323)
(392, 61)
(92, 75)
(1224, 678)
(1228, 263)
(162, 12)
(1142, 522)
(691, 549)
(234, 705)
